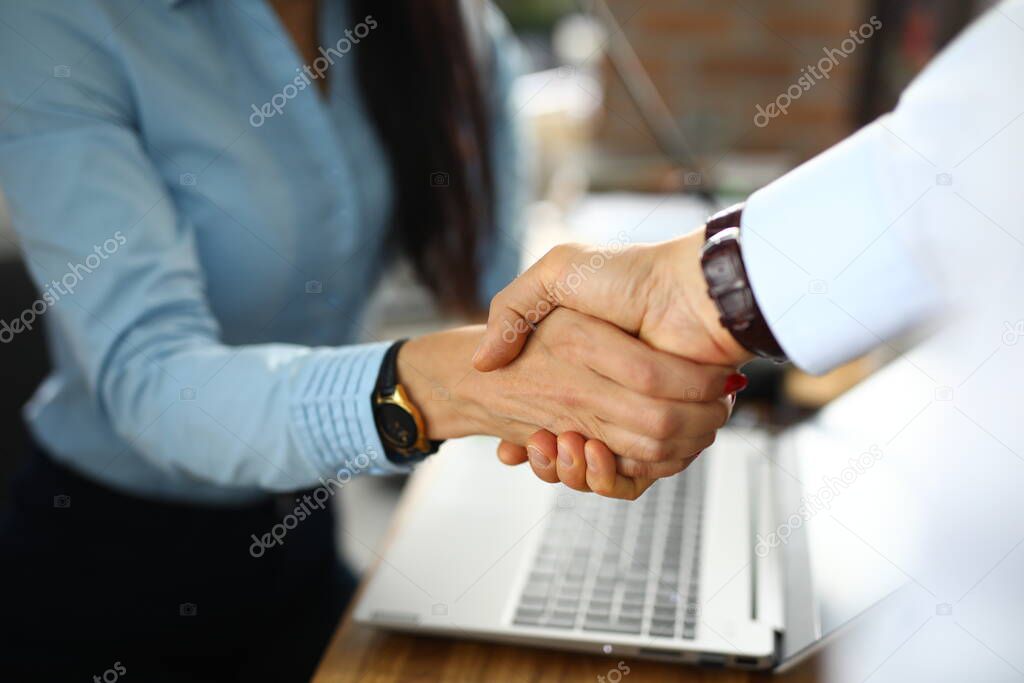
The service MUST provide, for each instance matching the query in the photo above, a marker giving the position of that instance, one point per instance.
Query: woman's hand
(576, 374)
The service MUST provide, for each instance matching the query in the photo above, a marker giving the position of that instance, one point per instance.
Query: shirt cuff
(830, 273)
(332, 412)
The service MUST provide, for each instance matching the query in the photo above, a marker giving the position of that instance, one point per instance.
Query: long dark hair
(421, 80)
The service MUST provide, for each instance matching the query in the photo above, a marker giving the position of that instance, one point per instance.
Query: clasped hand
(637, 377)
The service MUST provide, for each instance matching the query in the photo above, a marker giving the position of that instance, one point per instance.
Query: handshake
(607, 385)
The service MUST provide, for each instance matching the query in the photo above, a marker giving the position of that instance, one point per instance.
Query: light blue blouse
(202, 269)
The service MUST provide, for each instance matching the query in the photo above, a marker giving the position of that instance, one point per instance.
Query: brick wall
(714, 61)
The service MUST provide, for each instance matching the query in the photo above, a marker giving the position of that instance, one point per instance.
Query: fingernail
(563, 456)
(735, 382)
(591, 462)
(537, 457)
(477, 354)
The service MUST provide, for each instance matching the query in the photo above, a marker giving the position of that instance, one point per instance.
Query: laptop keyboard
(619, 566)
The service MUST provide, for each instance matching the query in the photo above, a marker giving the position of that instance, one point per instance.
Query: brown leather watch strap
(729, 287)
(726, 218)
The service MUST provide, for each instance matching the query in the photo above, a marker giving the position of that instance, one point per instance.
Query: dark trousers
(98, 585)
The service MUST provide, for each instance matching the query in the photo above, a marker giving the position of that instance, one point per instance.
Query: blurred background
(713, 63)
(640, 117)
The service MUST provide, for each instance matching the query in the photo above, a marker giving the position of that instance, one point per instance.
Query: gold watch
(399, 422)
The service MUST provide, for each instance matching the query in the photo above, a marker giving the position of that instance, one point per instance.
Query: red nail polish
(735, 382)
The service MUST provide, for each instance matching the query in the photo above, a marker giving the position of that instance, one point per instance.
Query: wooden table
(364, 653)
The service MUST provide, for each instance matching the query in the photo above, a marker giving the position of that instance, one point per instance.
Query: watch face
(397, 426)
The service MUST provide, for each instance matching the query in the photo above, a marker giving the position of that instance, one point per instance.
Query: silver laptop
(736, 562)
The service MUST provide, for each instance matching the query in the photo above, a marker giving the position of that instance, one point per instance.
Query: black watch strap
(387, 381)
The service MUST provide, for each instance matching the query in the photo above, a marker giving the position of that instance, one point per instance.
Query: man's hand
(655, 291)
(586, 464)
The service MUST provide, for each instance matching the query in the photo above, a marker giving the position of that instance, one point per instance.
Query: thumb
(516, 310)
(506, 333)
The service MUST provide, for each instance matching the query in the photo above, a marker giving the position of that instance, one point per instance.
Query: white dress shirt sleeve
(915, 215)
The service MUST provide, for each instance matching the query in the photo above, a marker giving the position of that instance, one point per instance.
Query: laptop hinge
(766, 561)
